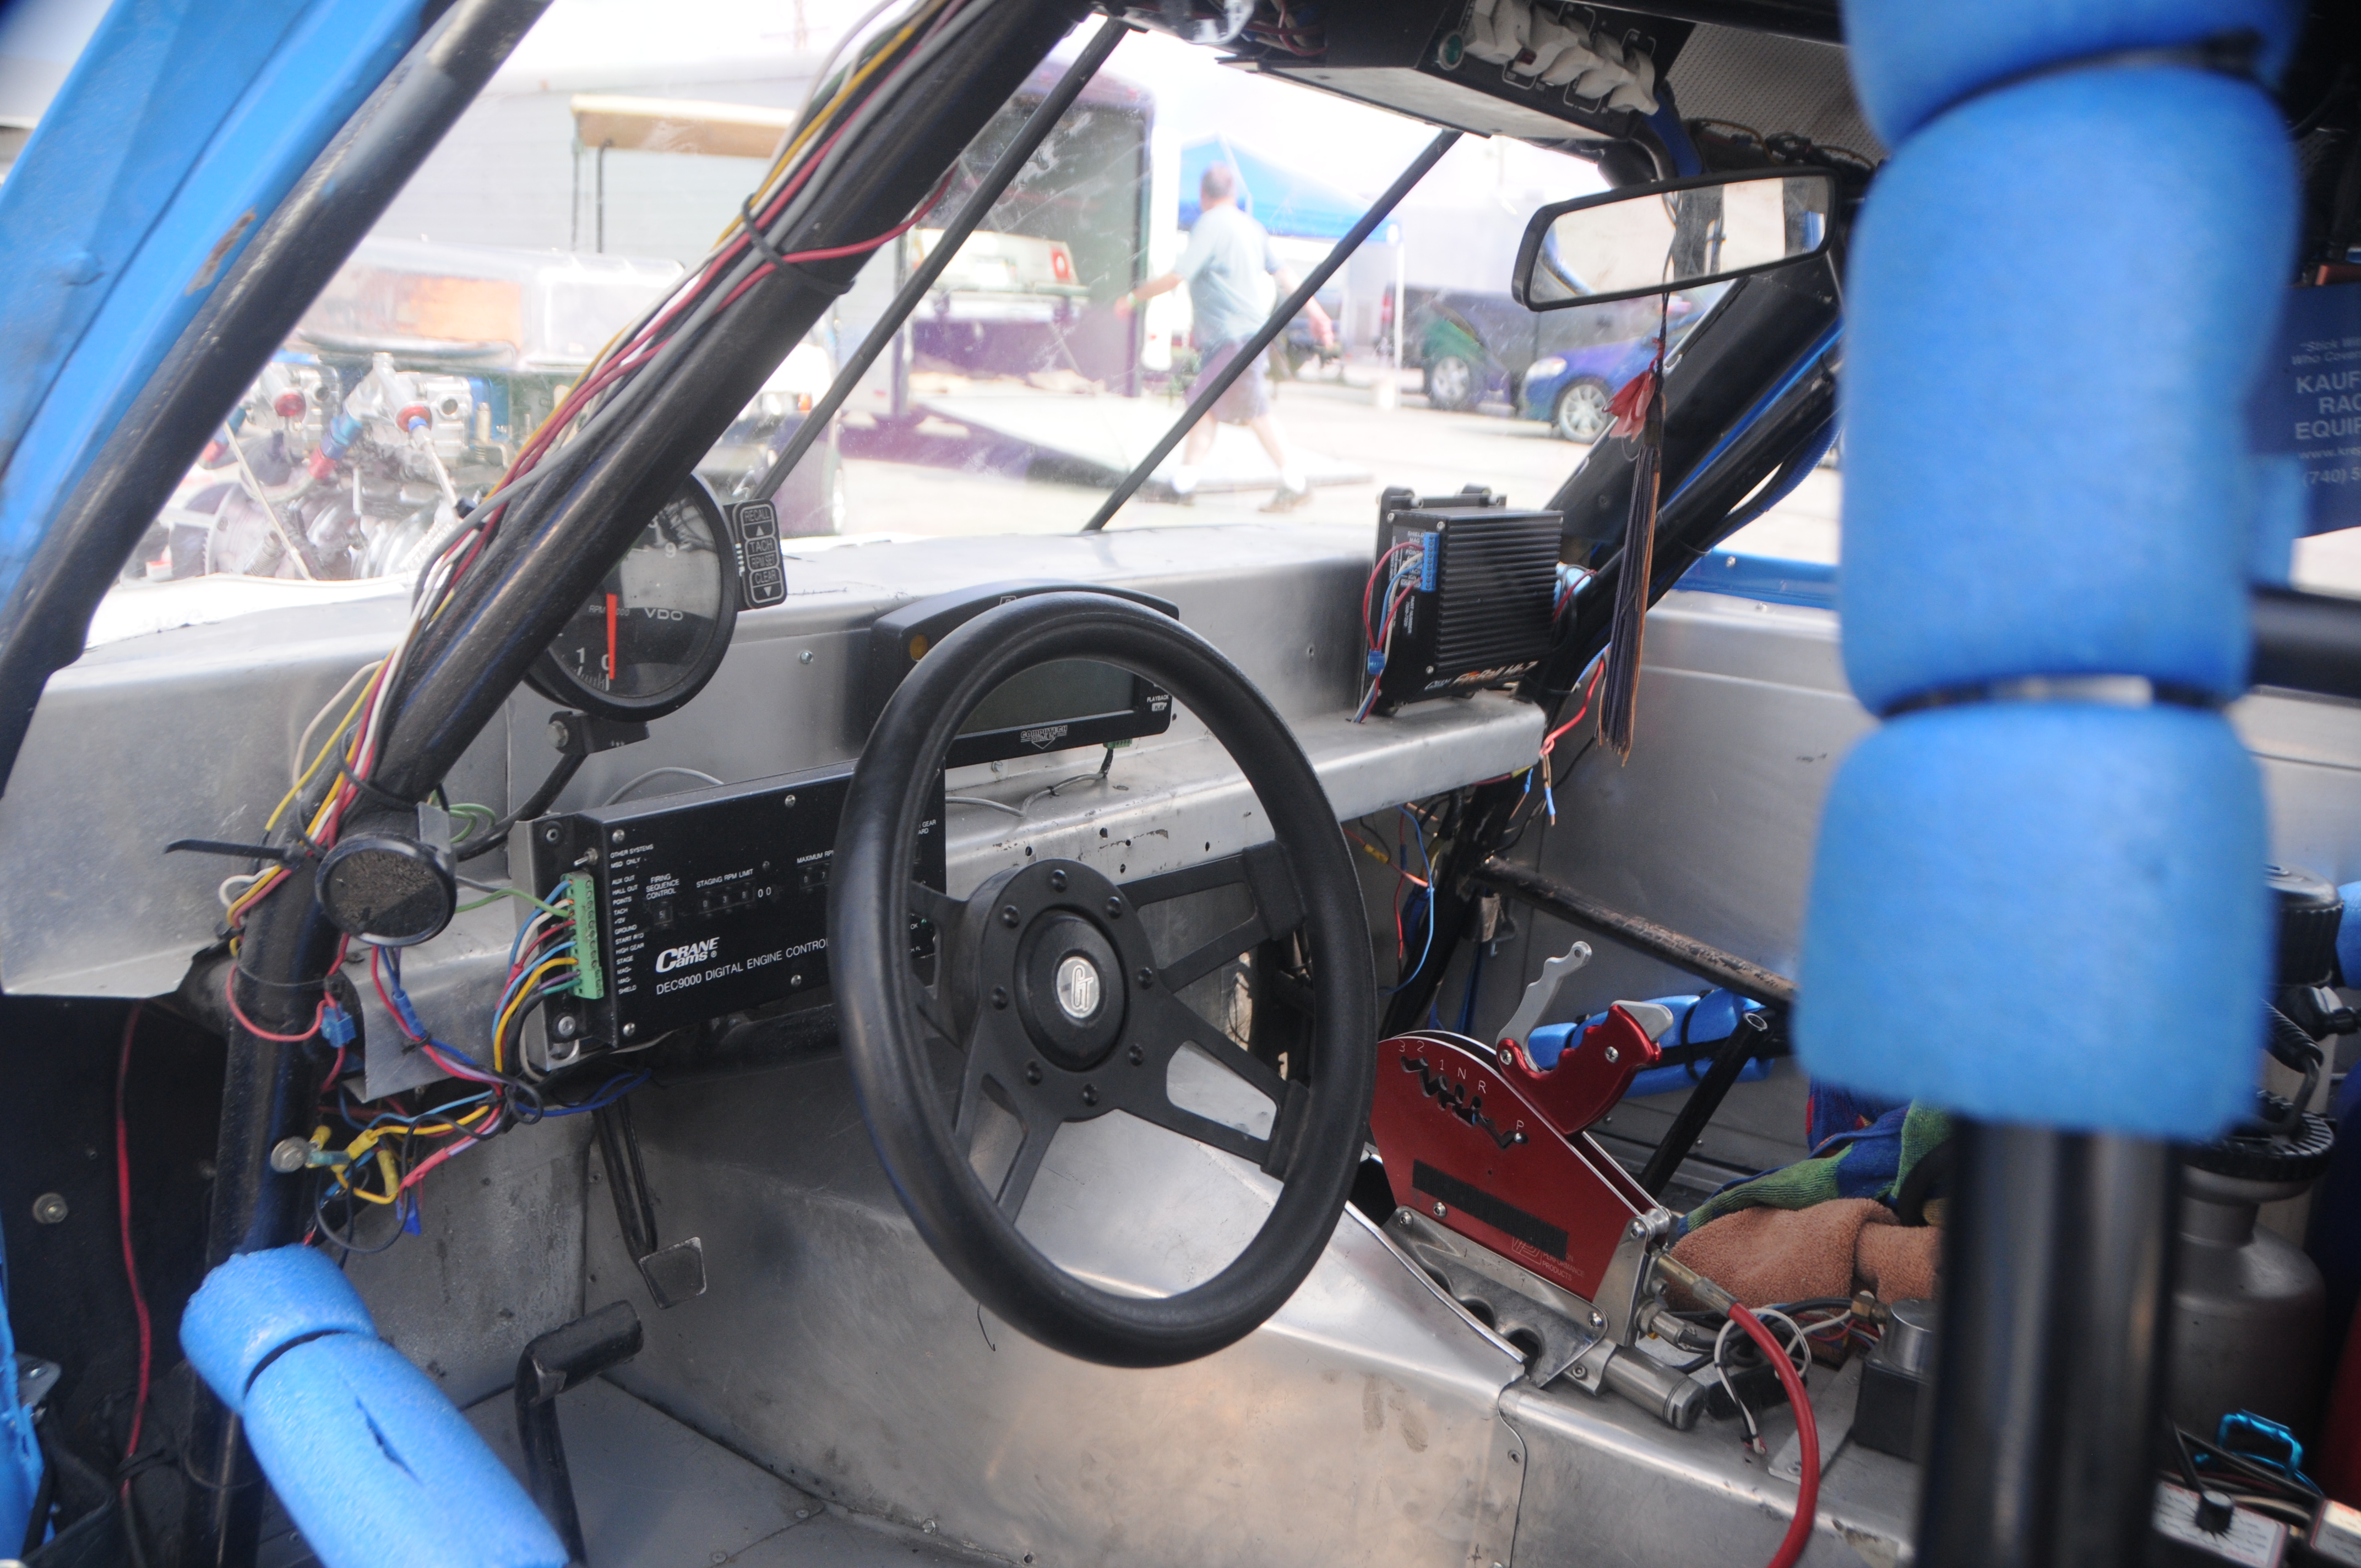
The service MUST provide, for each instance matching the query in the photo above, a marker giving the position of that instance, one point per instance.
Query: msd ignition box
(1462, 595)
(691, 905)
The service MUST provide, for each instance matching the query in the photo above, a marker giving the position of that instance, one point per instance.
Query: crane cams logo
(673, 959)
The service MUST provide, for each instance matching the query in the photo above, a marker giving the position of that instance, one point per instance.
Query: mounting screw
(49, 1208)
(1597, 1320)
(629, 1029)
(557, 735)
(1011, 916)
(788, 801)
(1147, 977)
(1057, 882)
(1115, 908)
(1640, 1230)
(288, 1156)
(1000, 996)
(1136, 1056)
(1440, 1210)
(566, 1026)
(1090, 1094)
(1581, 1373)
(549, 833)
(1613, 1055)
(803, 658)
(1032, 1072)
(617, 836)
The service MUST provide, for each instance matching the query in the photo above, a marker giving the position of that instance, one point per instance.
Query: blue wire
(1419, 832)
(604, 1098)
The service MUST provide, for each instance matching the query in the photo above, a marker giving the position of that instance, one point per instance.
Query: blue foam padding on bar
(1912, 58)
(254, 1303)
(376, 1466)
(2048, 914)
(1696, 1020)
(2058, 297)
(373, 1464)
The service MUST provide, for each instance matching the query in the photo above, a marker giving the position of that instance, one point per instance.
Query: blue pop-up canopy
(1284, 201)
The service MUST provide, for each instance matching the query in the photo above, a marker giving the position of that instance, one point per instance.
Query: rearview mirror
(1673, 234)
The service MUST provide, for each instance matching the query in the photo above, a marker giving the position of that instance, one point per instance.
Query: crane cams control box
(689, 906)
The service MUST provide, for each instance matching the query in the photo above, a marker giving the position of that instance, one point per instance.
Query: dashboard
(188, 732)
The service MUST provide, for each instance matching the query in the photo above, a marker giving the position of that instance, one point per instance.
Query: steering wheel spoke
(1003, 1119)
(937, 907)
(1263, 871)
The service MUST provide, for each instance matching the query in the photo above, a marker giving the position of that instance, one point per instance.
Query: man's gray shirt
(1228, 251)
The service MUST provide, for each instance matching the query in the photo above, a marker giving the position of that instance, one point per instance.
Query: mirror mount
(1670, 235)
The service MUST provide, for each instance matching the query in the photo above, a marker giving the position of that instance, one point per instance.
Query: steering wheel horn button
(1063, 963)
(1078, 988)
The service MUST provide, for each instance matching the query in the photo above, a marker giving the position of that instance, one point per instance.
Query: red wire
(230, 993)
(1807, 1437)
(1596, 669)
(130, 1258)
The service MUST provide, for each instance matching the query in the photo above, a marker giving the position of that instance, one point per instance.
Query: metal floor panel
(1359, 1427)
(653, 1494)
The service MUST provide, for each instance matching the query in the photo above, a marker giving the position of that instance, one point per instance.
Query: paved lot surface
(1430, 451)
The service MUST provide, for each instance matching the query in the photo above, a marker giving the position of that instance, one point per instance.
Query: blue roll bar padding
(1911, 60)
(373, 1464)
(2065, 433)
(178, 131)
(2052, 912)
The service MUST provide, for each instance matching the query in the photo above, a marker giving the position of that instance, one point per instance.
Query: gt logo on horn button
(1078, 988)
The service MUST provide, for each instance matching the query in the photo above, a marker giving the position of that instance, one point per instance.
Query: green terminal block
(589, 978)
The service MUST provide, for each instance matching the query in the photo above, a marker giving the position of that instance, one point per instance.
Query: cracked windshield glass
(1177, 201)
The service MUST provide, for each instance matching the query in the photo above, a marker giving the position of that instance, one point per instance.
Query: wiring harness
(388, 1147)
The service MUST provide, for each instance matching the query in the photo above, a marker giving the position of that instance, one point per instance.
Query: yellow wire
(532, 981)
(325, 746)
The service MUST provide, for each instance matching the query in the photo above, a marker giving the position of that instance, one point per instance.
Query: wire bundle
(616, 386)
(1380, 610)
(394, 1147)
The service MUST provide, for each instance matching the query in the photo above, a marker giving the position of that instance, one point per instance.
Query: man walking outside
(1227, 250)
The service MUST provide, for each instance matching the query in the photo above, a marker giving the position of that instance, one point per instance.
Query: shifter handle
(1540, 994)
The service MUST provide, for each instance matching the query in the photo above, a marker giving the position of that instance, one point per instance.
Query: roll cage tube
(543, 562)
(980, 203)
(1769, 327)
(539, 565)
(1273, 325)
(163, 297)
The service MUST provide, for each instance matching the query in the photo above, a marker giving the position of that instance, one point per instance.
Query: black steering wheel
(1052, 991)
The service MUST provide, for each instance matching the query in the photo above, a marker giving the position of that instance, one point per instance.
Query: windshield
(1175, 203)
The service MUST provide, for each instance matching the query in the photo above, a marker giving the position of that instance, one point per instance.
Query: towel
(1763, 1255)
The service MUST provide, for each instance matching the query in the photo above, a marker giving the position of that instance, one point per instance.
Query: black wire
(496, 835)
(343, 1240)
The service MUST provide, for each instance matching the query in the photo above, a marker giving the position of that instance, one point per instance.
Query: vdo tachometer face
(655, 630)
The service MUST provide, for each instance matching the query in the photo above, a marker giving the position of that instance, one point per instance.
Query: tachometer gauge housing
(656, 629)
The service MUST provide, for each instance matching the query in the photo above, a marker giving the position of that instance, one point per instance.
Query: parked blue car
(1572, 390)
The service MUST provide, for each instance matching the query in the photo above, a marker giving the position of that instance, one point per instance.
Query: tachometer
(655, 630)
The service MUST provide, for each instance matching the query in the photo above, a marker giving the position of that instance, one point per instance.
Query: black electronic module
(691, 905)
(1462, 595)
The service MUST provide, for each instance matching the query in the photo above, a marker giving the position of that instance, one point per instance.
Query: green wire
(499, 893)
(468, 809)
